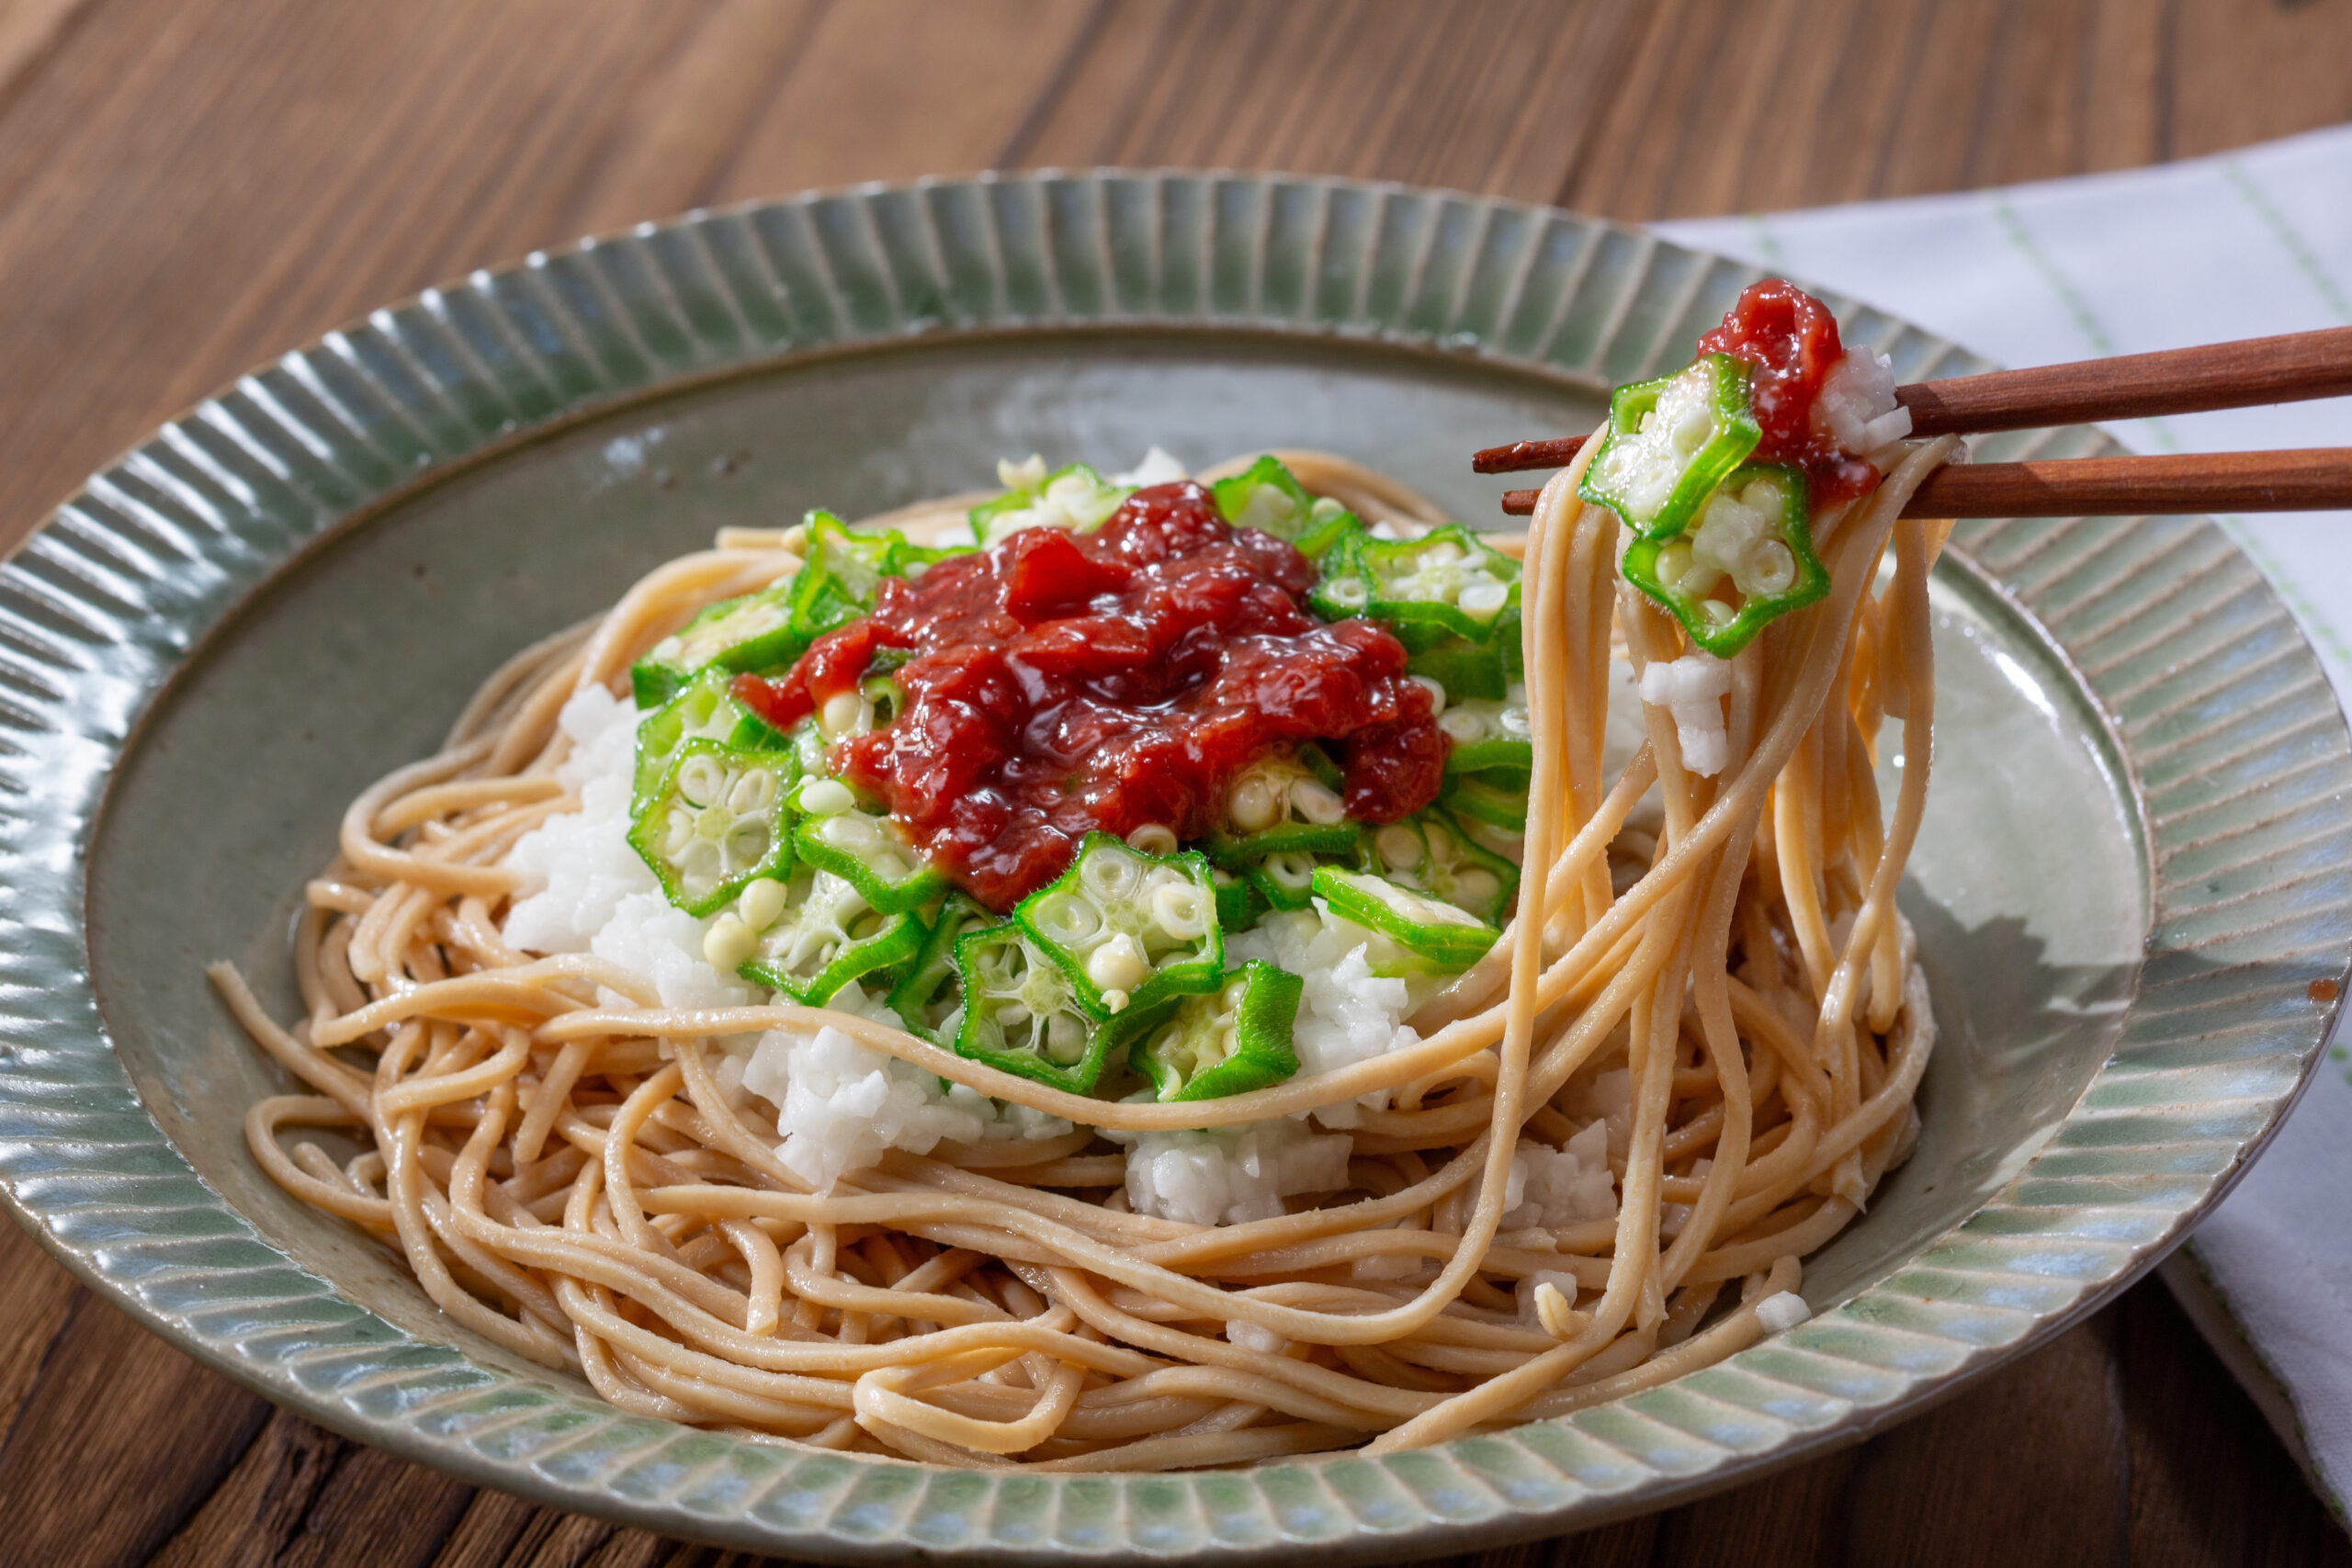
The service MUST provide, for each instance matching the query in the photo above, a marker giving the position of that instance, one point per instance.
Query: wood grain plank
(2028, 1468)
(188, 186)
(261, 1503)
(2205, 1484)
(29, 29)
(41, 1295)
(890, 89)
(119, 1437)
(2245, 70)
(669, 146)
(2119, 83)
(1796, 1516)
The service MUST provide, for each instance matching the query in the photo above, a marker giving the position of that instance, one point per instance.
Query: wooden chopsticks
(2315, 478)
(2287, 368)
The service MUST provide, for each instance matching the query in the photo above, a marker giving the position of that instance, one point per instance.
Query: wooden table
(189, 186)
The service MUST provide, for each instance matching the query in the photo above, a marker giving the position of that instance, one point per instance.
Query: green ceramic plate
(2138, 860)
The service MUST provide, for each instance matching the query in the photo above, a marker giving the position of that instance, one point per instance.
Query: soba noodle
(557, 1159)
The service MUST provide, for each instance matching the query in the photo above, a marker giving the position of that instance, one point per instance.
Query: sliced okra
(826, 936)
(1131, 928)
(1239, 901)
(1438, 935)
(867, 849)
(1467, 671)
(1483, 797)
(1446, 581)
(1075, 500)
(1428, 853)
(754, 632)
(930, 999)
(716, 820)
(704, 710)
(1229, 1041)
(843, 571)
(1488, 735)
(1286, 879)
(1748, 560)
(1022, 1012)
(1265, 496)
(1277, 793)
(1669, 442)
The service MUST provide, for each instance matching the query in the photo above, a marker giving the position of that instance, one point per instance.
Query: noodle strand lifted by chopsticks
(558, 1160)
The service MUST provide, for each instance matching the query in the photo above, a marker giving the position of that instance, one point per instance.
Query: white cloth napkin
(2252, 243)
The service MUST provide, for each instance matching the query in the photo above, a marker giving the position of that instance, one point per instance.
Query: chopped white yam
(1856, 407)
(1229, 1175)
(1158, 467)
(1692, 688)
(842, 1105)
(1250, 1337)
(1565, 1186)
(1346, 1012)
(1783, 1310)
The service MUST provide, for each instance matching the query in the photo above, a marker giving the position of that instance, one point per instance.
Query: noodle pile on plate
(558, 1158)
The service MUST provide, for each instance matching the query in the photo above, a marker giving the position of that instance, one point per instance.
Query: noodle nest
(560, 1164)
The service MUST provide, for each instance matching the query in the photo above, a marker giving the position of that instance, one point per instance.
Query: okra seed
(1324, 509)
(677, 832)
(1066, 920)
(1064, 1039)
(1291, 869)
(1118, 964)
(851, 832)
(729, 943)
(889, 866)
(1484, 598)
(755, 791)
(1253, 804)
(702, 780)
(1117, 1000)
(1154, 839)
(1445, 552)
(1771, 569)
(1110, 877)
(1178, 908)
(840, 714)
(1463, 725)
(826, 797)
(1479, 885)
(1717, 612)
(1317, 804)
(1434, 688)
(761, 902)
(1399, 847)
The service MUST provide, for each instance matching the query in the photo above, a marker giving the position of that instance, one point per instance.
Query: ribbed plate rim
(163, 545)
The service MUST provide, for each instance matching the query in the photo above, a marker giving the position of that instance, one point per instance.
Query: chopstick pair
(2289, 369)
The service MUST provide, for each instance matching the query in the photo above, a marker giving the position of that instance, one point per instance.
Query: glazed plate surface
(2133, 872)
